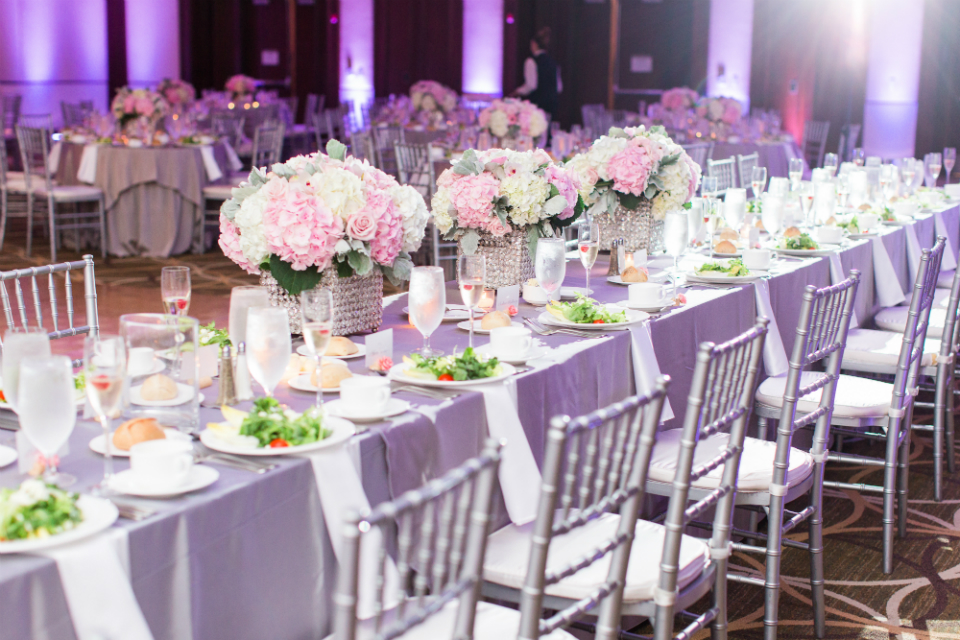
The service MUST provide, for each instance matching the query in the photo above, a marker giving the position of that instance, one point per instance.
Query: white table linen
(889, 293)
(646, 368)
(87, 172)
(774, 355)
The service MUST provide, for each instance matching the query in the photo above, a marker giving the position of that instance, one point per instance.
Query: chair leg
(815, 542)
(718, 628)
(54, 236)
(771, 603)
(3, 216)
(103, 228)
(761, 435)
(939, 418)
(948, 419)
(903, 469)
(29, 224)
(889, 488)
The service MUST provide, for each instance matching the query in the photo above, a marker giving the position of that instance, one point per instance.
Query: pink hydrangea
(694, 170)
(731, 112)
(145, 106)
(230, 244)
(630, 169)
(301, 230)
(484, 118)
(566, 184)
(386, 245)
(129, 104)
(472, 197)
(496, 228)
(447, 178)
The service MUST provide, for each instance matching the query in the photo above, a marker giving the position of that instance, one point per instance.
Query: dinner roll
(728, 234)
(632, 274)
(831, 221)
(158, 387)
(864, 207)
(331, 376)
(759, 225)
(340, 346)
(725, 246)
(791, 232)
(136, 431)
(495, 319)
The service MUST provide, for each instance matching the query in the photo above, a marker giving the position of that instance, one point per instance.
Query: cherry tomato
(598, 321)
(446, 378)
(3, 398)
(279, 442)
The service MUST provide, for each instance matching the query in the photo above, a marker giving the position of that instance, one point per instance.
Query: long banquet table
(250, 556)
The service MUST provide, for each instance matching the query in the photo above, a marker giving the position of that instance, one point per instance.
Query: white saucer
(651, 277)
(184, 394)
(362, 351)
(200, 477)
(665, 303)
(7, 456)
(394, 408)
(534, 353)
(96, 445)
(478, 330)
(302, 383)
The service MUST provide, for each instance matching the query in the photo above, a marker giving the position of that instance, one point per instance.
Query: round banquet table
(775, 156)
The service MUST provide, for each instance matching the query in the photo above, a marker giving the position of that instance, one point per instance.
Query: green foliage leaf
(617, 132)
(361, 263)
(469, 242)
(293, 281)
(229, 208)
(344, 270)
(629, 201)
(400, 271)
(283, 170)
(558, 224)
(469, 164)
(533, 235)
(555, 205)
(669, 160)
(336, 149)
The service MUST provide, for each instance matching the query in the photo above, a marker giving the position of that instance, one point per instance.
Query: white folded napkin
(87, 172)
(885, 280)
(210, 163)
(95, 574)
(53, 158)
(340, 489)
(519, 476)
(646, 368)
(949, 251)
(836, 277)
(913, 253)
(774, 355)
(232, 157)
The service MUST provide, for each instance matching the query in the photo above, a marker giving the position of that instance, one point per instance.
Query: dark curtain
(938, 113)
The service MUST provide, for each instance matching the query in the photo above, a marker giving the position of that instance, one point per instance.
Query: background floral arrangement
(679, 99)
(429, 95)
(177, 92)
(511, 117)
(240, 85)
(319, 211)
(725, 110)
(633, 163)
(498, 191)
(130, 104)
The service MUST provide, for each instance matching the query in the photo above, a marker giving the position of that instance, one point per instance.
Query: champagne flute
(428, 302)
(908, 169)
(858, 156)
(268, 345)
(889, 182)
(843, 190)
(708, 186)
(771, 214)
(949, 160)
(175, 290)
(676, 231)
(550, 264)
(20, 344)
(806, 203)
(758, 180)
(47, 409)
(588, 243)
(934, 164)
(471, 274)
(830, 163)
(795, 173)
(316, 313)
(104, 365)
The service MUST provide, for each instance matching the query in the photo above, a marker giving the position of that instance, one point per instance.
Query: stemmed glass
(843, 190)
(708, 191)
(104, 365)
(316, 313)
(175, 290)
(889, 182)
(908, 169)
(758, 180)
(830, 163)
(858, 156)
(47, 409)
(708, 186)
(771, 214)
(933, 164)
(20, 344)
(268, 345)
(806, 203)
(428, 302)
(676, 230)
(550, 264)
(795, 173)
(241, 299)
(588, 244)
(949, 160)
(472, 274)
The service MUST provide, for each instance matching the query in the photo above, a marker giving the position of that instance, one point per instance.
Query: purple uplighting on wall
(483, 46)
(356, 51)
(729, 50)
(153, 41)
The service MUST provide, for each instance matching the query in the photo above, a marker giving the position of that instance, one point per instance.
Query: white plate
(303, 351)
(200, 477)
(7, 456)
(534, 353)
(806, 253)
(651, 277)
(451, 315)
(901, 221)
(184, 394)
(80, 398)
(719, 279)
(302, 383)
(342, 431)
(861, 236)
(394, 407)
(718, 254)
(96, 445)
(396, 373)
(633, 317)
(665, 303)
(570, 293)
(478, 330)
(98, 514)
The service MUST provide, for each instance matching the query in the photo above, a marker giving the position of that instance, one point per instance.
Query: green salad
(852, 227)
(274, 426)
(803, 242)
(37, 510)
(454, 368)
(887, 215)
(733, 268)
(585, 311)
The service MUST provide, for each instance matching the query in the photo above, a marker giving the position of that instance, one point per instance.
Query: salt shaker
(614, 269)
(241, 376)
(228, 391)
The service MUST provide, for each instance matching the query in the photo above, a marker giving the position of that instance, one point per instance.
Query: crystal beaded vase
(507, 258)
(638, 228)
(357, 301)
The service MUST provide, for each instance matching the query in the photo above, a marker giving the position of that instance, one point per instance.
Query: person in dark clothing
(541, 75)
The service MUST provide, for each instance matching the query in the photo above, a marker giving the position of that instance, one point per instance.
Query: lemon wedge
(234, 417)
(555, 310)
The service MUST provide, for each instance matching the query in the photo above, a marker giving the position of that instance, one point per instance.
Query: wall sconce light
(510, 18)
(334, 19)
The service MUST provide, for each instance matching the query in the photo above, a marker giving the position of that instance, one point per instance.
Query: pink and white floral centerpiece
(512, 117)
(178, 93)
(240, 86)
(131, 104)
(430, 95)
(322, 211)
(720, 110)
(679, 99)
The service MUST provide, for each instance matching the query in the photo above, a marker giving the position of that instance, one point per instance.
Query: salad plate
(534, 353)
(729, 272)
(633, 317)
(96, 445)
(362, 351)
(800, 253)
(97, 514)
(589, 314)
(184, 394)
(439, 371)
(8, 455)
(200, 477)
(225, 436)
(394, 407)
(477, 329)
(719, 278)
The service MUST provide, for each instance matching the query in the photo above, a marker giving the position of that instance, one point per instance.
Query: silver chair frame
(724, 172)
(699, 152)
(268, 144)
(815, 141)
(6, 190)
(745, 165)
(384, 139)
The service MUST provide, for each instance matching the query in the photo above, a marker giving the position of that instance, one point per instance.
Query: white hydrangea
(601, 152)
(340, 189)
(415, 215)
(676, 183)
(526, 192)
(440, 208)
(249, 219)
(499, 123)
(538, 123)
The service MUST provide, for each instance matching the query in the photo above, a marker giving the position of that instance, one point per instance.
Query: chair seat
(855, 398)
(71, 193)
(945, 279)
(493, 622)
(508, 553)
(895, 318)
(218, 191)
(869, 347)
(756, 463)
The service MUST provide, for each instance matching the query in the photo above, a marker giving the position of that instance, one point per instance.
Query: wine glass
(708, 186)
(858, 156)
(19, 344)
(268, 345)
(676, 231)
(806, 203)
(47, 409)
(758, 180)
(241, 299)
(771, 214)
(104, 365)
(934, 164)
(588, 243)
(908, 169)
(889, 182)
(316, 314)
(550, 264)
(175, 290)
(471, 274)
(795, 173)
(843, 190)
(830, 163)
(428, 302)
(949, 160)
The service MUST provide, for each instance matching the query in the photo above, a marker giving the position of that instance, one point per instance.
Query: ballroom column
(483, 46)
(893, 78)
(356, 51)
(729, 50)
(153, 41)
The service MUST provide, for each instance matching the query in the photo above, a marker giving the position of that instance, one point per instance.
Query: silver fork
(133, 512)
(544, 331)
(234, 462)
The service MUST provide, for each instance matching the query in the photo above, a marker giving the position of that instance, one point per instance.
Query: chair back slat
(746, 164)
(815, 141)
(950, 335)
(52, 292)
(37, 308)
(34, 152)
(384, 139)
(415, 167)
(268, 144)
(724, 172)
(228, 123)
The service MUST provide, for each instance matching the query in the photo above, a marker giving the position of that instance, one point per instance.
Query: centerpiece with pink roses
(240, 87)
(499, 202)
(508, 119)
(130, 105)
(179, 94)
(329, 220)
(629, 180)
(430, 95)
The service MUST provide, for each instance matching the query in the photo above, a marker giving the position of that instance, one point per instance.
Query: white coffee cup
(830, 235)
(867, 221)
(757, 259)
(161, 463)
(645, 294)
(511, 342)
(363, 395)
(140, 361)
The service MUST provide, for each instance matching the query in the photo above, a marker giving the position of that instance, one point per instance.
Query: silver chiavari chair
(13, 193)
(268, 144)
(415, 168)
(36, 121)
(815, 141)
(745, 165)
(440, 531)
(361, 146)
(578, 551)
(383, 140)
(699, 152)
(724, 172)
(228, 124)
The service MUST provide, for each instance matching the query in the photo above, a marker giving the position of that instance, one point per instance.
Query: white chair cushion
(940, 299)
(218, 191)
(872, 347)
(895, 318)
(756, 463)
(945, 279)
(855, 398)
(508, 552)
(71, 193)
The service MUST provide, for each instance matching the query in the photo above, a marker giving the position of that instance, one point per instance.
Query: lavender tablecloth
(249, 557)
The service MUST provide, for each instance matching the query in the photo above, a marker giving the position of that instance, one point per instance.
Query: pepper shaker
(228, 391)
(241, 375)
(614, 269)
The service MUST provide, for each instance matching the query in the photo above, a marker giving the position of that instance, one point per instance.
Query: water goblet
(175, 290)
(316, 320)
(908, 169)
(47, 409)
(20, 344)
(858, 156)
(588, 245)
(471, 275)
(268, 345)
(241, 299)
(104, 366)
(550, 264)
(676, 238)
(428, 302)
(934, 164)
